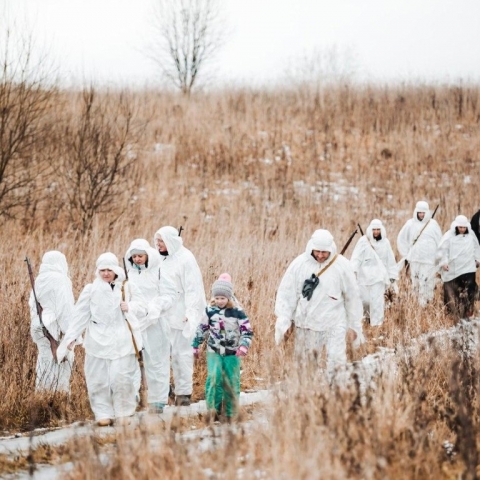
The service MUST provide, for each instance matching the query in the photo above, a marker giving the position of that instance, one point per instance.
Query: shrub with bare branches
(99, 170)
(26, 98)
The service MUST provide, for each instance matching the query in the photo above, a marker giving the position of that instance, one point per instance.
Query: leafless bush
(99, 167)
(26, 98)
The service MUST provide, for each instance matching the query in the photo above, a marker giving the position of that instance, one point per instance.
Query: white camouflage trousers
(110, 385)
(156, 355)
(373, 300)
(49, 374)
(310, 343)
(182, 362)
(423, 281)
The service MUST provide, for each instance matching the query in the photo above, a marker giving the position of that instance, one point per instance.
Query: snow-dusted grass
(250, 175)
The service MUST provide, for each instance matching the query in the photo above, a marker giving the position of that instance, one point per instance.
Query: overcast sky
(389, 39)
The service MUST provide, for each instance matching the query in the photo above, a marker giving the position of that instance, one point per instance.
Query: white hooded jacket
(335, 301)
(182, 268)
(416, 245)
(459, 252)
(373, 261)
(53, 288)
(158, 290)
(98, 313)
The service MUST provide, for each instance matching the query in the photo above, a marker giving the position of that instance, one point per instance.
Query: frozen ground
(13, 445)
(367, 369)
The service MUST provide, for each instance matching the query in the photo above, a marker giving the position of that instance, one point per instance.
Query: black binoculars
(309, 285)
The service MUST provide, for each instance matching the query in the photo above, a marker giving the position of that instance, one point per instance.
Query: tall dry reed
(250, 175)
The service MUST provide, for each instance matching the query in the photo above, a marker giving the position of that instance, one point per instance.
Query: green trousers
(223, 383)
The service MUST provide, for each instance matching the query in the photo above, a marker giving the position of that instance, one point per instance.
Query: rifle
(349, 241)
(53, 343)
(407, 264)
(138, 353)
(360, 228)
(180, 231)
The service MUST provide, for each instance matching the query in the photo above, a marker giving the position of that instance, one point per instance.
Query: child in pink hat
(229, 338)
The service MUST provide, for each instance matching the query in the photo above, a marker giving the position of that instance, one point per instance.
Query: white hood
(172, 240)
(321, 240)
(109, 261)
(154, 257)
(375, 223)
(420, 207)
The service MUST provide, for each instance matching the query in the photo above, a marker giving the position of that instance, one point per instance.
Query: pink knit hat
(223, 286)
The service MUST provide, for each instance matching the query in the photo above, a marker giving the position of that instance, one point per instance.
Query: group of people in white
(326, 297)
(155, 311)
(162, 310)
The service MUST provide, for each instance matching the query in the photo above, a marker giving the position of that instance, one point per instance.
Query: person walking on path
(53, 289)
(229, 338)
(458, 258)
(373, 262)
(143, 267)
(320, 295)
(107, 312)
(180, 265)
(417, 243)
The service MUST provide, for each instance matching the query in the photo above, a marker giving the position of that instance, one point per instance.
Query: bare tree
(188, 34)
(26, 95)
(99, 168)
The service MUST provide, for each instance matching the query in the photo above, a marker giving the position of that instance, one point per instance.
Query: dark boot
(182, 400)
(211, 416)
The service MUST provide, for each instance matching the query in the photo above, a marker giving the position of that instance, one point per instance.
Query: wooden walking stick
(138, 353)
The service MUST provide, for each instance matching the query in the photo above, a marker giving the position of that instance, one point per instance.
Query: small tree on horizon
(187, 36)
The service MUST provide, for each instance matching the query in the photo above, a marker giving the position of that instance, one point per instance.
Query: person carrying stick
(110, 362)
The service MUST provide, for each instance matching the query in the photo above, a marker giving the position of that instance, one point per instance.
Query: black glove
(309, 285)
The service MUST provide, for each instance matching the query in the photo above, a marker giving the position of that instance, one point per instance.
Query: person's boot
(105, 422)
(182, 400)
(156, 407)
(211, 416)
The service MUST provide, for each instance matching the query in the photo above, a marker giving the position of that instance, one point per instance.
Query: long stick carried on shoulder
(53, 343)
(349, 241)
(404, 260)
(138, 353)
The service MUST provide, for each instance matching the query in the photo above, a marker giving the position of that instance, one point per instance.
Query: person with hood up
(53, 288)
(107, 312)
(229, 337)
(143, 266)
(417, 243)
(181, 267)
(458, 258)
(320, 295)
(373, 262)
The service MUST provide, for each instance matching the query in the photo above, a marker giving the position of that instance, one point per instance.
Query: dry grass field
(250, 175)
